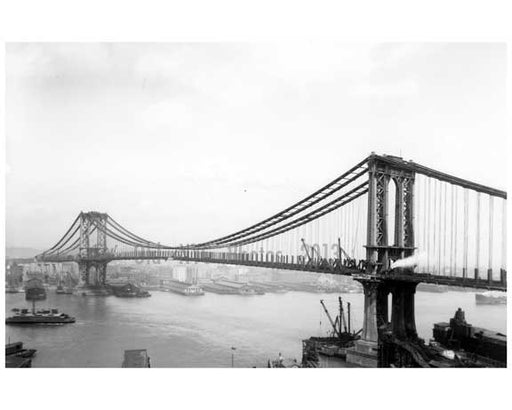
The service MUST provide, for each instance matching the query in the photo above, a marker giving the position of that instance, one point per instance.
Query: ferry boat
(45, 317)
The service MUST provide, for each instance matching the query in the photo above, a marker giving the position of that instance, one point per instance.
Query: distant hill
(21, 252)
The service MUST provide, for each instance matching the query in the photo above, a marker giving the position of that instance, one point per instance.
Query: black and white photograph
(320, 204)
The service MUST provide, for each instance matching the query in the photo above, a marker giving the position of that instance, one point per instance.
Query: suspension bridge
(387, 222)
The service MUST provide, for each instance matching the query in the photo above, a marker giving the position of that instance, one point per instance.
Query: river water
(180, 331)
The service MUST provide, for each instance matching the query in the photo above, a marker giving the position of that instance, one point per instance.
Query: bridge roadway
(346, 267)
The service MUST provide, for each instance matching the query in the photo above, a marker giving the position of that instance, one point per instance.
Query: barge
(182, 288)
(128, 290)
(331, 351)
(136, 358)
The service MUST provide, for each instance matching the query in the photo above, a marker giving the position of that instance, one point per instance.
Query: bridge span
(387, 222)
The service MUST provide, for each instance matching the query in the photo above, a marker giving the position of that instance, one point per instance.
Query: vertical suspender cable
(352, 227)
(424, 210)
(465, 266)
(318, 241)
(440, 227)
(345, 229)
(445, 234)
(452, 231)
(434, 227)
(347, 226)
(477, 264)
(455, 198)
(428, 199)
(504, 235)
(491, 228)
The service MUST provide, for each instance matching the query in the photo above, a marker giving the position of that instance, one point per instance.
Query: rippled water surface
(180, 331)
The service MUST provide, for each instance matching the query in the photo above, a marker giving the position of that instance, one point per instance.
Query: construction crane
(313, 251)
(342, 320)
(333, 323)
(342, 251)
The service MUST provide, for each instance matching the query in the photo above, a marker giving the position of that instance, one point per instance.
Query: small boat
(16, 349)
(61, 290)
(12, 289)
(280, 362)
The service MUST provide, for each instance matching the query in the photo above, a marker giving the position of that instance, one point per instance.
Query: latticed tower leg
(101, 273)
(83, 270)
(85, 225)
(101, 239)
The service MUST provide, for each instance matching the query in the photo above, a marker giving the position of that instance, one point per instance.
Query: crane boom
(330, 319)
(306, 248)
(342, 315)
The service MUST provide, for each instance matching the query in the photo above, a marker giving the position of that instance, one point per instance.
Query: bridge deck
(331, 266)
(354, 271)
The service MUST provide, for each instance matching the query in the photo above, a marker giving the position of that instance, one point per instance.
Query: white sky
(184, 142)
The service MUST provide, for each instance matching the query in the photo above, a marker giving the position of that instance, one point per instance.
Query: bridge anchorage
(388, 223)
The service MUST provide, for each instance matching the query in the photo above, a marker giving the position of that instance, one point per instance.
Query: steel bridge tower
(93, 256)
(380, 253)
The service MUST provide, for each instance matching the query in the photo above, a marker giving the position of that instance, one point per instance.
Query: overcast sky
(185, 142)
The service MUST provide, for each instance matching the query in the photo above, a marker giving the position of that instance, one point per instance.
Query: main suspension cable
(333, 205)
(298, 207)
(64, 236)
